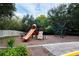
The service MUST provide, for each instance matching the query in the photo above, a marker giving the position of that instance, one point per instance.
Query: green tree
(27, 22)
(41, 21)
(7, 9)
(6, 12)
(14, 24)
(58, 19)
(73, 12)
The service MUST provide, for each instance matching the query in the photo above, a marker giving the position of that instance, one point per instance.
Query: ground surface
(39, 51)
(53, 39)
(56, 49)
(62, 49)
(50, 39)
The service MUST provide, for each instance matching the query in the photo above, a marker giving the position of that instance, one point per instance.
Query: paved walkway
(56, 49)
(39, 51)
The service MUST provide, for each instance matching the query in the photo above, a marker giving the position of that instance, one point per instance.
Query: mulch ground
(53, 39)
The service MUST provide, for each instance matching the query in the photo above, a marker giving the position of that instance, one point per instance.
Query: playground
(48, 32)
(45, 45)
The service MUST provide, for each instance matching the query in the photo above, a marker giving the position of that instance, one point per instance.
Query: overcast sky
(34, 9)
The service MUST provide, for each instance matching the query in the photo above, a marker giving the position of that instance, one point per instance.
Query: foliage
(41, 22)
(73, 12)
(6, 9)
(14, 24)
(27, 22)
(6, 17)
(10, 24)
(18, 51)
(61, 20)
(22, 50)
(49, 30)
(64, 19)
(58, 19)
(10, 43)
(41, 19)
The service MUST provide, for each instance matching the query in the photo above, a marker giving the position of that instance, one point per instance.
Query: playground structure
(40, 35)
(32, 31)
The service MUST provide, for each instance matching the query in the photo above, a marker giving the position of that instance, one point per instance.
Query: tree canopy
(7, 9)
(27, 22)
(64, 18)
(61, 20)
(41, 21)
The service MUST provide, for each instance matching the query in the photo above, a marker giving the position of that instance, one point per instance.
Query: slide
(29, 34)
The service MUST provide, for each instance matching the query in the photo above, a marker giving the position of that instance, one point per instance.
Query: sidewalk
(39, 51)
(56, 49)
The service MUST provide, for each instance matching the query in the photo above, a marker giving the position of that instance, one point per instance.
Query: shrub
(10, 43)
(22, 51)
(18, 51)
(10, 52)
(49, 30)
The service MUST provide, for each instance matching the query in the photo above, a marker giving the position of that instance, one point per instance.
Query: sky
(34, 9)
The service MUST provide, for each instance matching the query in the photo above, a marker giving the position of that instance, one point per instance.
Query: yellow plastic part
(75, 53)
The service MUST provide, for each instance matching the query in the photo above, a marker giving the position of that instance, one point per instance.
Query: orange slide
(29, 34)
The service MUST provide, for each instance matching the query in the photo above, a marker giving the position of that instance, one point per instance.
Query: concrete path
(58, 49)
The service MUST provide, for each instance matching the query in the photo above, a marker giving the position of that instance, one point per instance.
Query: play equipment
(31, 32)
(75, 53)
(40, 35)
